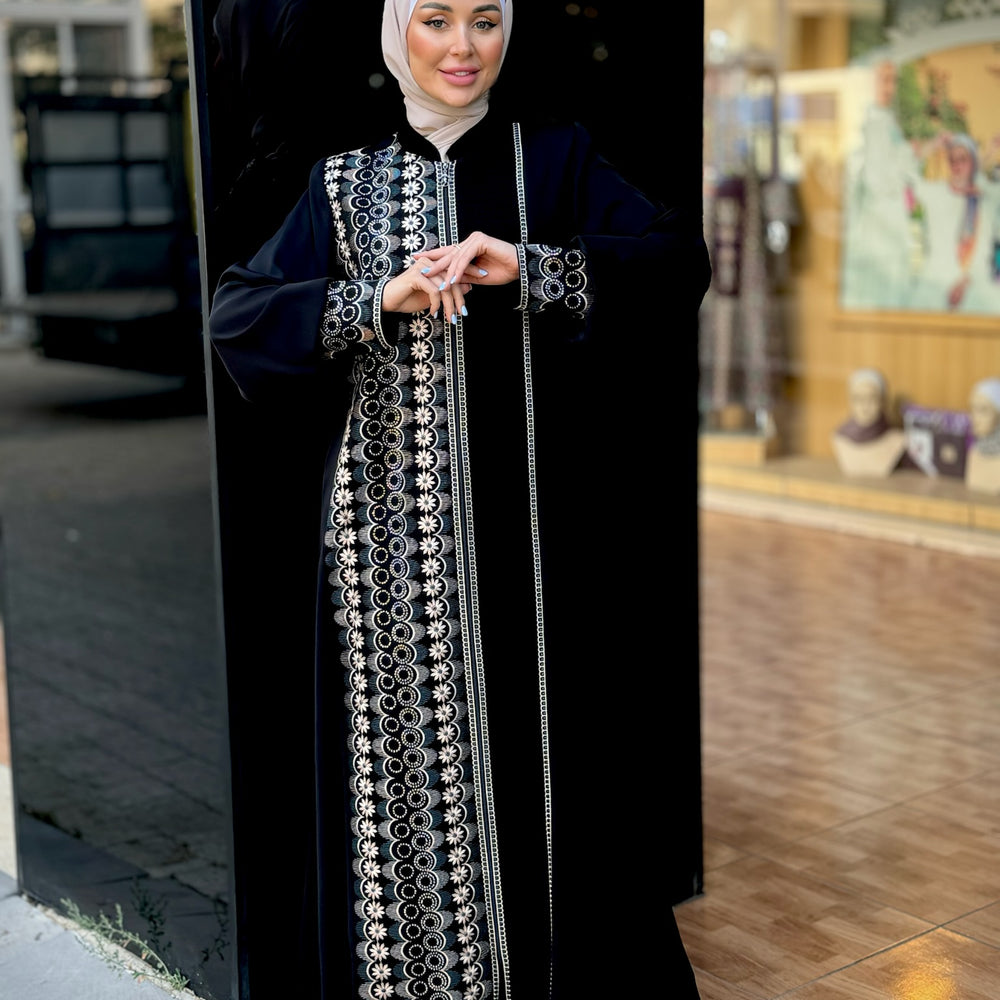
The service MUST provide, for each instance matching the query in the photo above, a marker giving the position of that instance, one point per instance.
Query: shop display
(937, 441)
(865, 444)
(852, 208)
(983, 466)
(748, 210)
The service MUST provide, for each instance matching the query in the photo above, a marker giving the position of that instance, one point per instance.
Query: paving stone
(40, 959)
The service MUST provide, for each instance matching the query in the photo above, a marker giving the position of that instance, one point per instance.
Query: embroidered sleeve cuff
(352, 315)
(554, 276)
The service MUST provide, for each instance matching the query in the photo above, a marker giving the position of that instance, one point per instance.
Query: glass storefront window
(852, 207)
(850, 382)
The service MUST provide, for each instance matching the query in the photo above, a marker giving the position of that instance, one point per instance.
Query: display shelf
(907, 505)
(738, 448)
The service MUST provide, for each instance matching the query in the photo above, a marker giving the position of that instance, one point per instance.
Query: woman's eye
(435, 22)
(485, 25)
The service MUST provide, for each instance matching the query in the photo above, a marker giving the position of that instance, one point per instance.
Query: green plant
(218, 946)
(108, 937)
(153, 912)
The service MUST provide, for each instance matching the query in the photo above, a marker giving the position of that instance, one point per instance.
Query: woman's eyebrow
(475, 10)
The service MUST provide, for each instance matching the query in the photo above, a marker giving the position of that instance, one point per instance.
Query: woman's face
(454, 48)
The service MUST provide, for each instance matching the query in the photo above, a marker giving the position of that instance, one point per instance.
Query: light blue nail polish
(425, 270)
(442, 286)
(453, 278)
(434, 315)
(483, 273)
(465, 312)
(454, 319)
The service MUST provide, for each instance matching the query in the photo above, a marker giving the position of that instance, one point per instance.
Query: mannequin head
(866, 392)
(984, 408)
(866, 403)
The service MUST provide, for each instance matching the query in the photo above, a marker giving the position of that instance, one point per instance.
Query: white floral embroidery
(391, 570)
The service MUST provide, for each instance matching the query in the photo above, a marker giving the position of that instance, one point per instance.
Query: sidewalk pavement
(41, 958)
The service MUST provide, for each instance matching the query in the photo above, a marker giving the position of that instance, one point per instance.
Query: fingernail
(453, 277)
(425, 270)
(482, 273)
(434, 315)
(465, 312)
(442, 286)
(454, 319)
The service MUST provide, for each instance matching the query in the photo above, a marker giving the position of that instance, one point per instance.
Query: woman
(478, 288)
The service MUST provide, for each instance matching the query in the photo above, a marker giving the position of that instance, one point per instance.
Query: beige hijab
(440, 123)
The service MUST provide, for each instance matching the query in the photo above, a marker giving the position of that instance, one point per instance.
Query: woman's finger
(473, 273)
(459, 292)
(430, 261)
(458, 303)
(473, 246)
(448, 269)
(430, 286)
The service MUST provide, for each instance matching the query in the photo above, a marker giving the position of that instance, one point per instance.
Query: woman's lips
(461, 76)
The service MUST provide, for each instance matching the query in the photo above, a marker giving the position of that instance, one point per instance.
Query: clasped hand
(441, 278)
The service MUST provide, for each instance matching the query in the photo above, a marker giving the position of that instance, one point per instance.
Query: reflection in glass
(79, 134)
(145, 135)
(34, 48)
(117, 706)
(100, 49)
(149, 196)
(84, 196)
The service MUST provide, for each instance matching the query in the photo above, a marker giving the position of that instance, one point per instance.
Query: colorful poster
(922, 192)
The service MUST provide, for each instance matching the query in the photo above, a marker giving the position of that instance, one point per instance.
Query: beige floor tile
(745, 716)
(853, 682)
(974, 803)
(970, 715)
(983, 925)
(935, 966)
(717, 853)
(928, 866)
(711, 988)
(755, 803)
(883, 757)
(765, 928)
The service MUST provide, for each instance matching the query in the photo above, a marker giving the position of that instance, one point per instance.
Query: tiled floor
(851, 740)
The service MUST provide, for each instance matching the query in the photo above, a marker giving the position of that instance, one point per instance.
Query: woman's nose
(460, 42)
